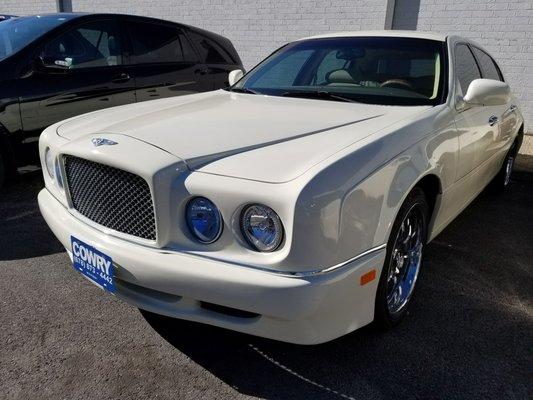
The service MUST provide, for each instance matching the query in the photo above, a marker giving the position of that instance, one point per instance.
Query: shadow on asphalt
(468, 333)
(23, 232)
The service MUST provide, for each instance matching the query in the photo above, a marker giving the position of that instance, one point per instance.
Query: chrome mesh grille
(111, 197)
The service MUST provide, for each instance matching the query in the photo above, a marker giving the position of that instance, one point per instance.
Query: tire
(403, 261)
(502, 180)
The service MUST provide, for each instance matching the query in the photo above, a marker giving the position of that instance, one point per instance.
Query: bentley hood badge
(103, 142)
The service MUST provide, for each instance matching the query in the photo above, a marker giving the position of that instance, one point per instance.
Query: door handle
(120, 78)
(512, 108)
(493, 120)
(202, 71)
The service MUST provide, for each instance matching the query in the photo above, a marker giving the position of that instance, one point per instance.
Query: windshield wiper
(317, 94)
(242, 90)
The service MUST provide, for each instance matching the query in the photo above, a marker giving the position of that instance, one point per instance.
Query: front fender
(349, 206)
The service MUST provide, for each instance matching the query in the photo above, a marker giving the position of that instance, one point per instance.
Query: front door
(472, 122)
(79, 71)
(217, 62)
(505, 114)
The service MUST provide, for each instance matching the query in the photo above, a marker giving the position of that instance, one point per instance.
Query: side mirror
(235, 76)
(51, 65)
(487, 92)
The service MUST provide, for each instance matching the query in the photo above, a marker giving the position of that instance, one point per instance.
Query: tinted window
(154, 43)
(210, 51)
(16, 33)
(488, 66)
(466, 66)
(93, 44)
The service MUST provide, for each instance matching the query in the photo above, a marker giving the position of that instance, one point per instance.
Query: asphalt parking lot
(469, 333)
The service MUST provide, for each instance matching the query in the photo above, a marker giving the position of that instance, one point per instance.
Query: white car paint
(336, 174)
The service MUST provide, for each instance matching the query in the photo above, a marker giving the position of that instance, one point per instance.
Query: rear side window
(488, 67)
(466, 67)
(93, 44)
(210, 51)
(155, 43)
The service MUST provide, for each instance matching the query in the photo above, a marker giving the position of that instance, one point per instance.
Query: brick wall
(25, 7)
(503, 27)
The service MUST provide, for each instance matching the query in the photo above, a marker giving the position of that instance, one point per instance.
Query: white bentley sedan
(296, 204)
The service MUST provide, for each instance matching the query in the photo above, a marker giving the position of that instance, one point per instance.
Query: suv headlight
(262, 227)
(204, 219)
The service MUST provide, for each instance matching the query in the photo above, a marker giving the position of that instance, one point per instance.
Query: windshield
(377, 70)
(16, 33)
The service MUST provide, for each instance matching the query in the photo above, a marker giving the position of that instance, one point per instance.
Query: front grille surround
(110, 197)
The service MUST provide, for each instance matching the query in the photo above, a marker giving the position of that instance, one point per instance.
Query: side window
(93, 44)
(488, 67)
(329, 63)
(154, 43)
(210, 51)
(465, 66)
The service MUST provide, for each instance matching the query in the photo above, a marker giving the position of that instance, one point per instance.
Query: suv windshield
(377, 70)
(16, 33)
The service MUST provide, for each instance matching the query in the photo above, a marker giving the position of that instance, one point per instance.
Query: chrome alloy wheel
(405, 261)
(508, 170)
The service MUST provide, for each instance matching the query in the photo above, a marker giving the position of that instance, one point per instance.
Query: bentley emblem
(103, 142)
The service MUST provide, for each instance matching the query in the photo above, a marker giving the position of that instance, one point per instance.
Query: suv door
(164, 62)
(78, 71)
(217, 61)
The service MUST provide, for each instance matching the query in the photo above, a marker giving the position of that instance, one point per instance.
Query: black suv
(57, 66)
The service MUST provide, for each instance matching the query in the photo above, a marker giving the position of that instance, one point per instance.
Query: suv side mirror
(57, 66)
(235, 76)
(487, 92)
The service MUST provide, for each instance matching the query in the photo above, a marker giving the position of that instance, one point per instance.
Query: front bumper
(304, 310)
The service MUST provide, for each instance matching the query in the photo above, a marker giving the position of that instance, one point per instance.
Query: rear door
(164, 61)
(81, 70)
(217, 60)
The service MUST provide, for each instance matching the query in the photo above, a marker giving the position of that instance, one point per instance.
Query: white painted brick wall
(503, 27)
(256, 28)
(25, 7)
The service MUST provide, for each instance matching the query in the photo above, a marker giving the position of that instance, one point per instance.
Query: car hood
(264, 138)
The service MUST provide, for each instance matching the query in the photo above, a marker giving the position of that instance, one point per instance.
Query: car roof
(383, 33)
(65, 16)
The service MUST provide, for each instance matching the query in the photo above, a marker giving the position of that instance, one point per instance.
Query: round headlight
(204, 220)
(262, 227)
(50, 164)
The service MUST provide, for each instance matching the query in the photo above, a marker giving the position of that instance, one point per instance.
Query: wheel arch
(519, 139)
(7, 151)
(431, 185)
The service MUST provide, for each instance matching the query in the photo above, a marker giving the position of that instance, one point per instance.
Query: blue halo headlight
(262, 227)
(204, 220)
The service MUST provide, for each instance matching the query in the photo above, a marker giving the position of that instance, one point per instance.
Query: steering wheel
(398, 83)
